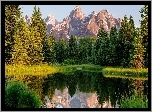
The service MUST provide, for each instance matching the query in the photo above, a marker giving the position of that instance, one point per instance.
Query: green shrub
(68, 62)
(134, 102)
(17, 95)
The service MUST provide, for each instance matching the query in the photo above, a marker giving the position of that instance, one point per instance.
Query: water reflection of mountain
(87, 83)
(90, 83)
(79, 100)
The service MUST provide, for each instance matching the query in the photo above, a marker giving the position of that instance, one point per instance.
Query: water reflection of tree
(87, 82)
(91, 82)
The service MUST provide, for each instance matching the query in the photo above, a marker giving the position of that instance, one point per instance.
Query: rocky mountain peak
(77, 13)
(94, 13)
(51, 20)
(77, 24)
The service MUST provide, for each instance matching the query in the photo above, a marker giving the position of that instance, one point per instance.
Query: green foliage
(138, 51)
(134, 102)
(11, 13)
(72, 48)
(126, 36)
(112, 60)
(36, 37)
(50, 52)
(84, 50)
(102, 47)
(144, 33)
(21, 43)
(17, 95)
(68, 62)
(60, 47)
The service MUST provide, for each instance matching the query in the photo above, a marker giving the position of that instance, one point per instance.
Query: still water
(83, 89)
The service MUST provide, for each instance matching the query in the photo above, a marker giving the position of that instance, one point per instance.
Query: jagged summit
(77, 7)
(51, 19)
(76, 23)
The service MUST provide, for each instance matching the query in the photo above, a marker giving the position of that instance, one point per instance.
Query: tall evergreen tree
(102, 47)
(21, 43)
(125, 40)
(120, 46)
(72, 47)
(11, 12)
(133, 35)
(50, 53)
(113, 45)
(93, 54)
(37, 35)
(138, 53)
(144, 33)
(128, 28)
(60, 50)
(83, 50)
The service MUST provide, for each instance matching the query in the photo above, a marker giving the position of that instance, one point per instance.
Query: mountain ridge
(78, 24)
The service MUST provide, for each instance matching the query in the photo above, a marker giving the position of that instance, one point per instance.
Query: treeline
(29, 44)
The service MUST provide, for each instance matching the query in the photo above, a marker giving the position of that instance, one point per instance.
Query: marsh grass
(83, 67)
(134, 102)
(126, 73)
(42, 70)
(30, 70)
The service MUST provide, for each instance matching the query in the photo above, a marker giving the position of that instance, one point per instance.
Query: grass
(30, 70)
(83, 67)
(126, 73)
(134, 102)
(48, 69)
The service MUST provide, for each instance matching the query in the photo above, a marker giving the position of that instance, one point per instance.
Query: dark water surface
(84, 89)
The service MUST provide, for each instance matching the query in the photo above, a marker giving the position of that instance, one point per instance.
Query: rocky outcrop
(78, 24)
(50, 22)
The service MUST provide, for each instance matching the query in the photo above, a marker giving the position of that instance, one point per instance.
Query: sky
(62, 11)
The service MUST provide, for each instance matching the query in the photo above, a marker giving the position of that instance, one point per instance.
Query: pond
(83, 89)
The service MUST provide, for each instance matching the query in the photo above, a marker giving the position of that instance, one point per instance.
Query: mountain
(78, 24)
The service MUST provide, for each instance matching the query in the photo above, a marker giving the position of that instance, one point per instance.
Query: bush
(68, 62)
(17, 95)
(134, 102)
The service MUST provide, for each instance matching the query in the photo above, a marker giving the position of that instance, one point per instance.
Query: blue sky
(62, 11)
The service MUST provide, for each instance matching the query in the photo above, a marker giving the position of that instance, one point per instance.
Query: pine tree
(50, 53)
(138, 53)
(120, 46)
(11, 12)
(21, 43)
(102, 47)
(113, 45)
(60, 50)
(133, 35)
(128, 28)
(93, 54)
(37, 29)
(72, 47)
(82, 50)
(144, 33)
